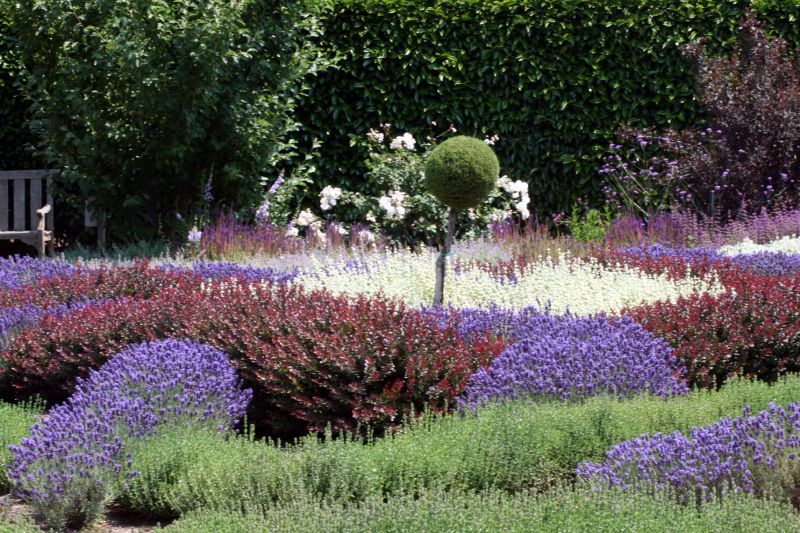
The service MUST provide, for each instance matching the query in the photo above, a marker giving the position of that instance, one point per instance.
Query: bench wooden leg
(40, 247)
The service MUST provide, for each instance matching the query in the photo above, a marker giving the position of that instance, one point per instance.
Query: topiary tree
(460, 173)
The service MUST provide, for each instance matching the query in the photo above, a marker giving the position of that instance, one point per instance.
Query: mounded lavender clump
(769, 263)
(566, 357)
(17, 271)
(687, 254)
(711, 460)
(68, 464)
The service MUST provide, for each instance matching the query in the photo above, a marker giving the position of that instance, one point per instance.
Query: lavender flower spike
(69, 463)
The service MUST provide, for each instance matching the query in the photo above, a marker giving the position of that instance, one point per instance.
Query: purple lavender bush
(17, 271)
(769, 263)
(749, 453)
(506, 322)
(569, 358)
(68, 466)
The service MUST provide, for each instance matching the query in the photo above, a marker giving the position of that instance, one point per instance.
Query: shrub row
(750, 453)
(435, 511)
(312, 358)
(752, 328)
(510, 447)
(56, 285)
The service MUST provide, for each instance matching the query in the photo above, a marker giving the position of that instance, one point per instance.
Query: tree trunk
(441, 261)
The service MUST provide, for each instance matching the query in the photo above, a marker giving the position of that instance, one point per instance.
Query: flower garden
(649, 387)
(572, 309)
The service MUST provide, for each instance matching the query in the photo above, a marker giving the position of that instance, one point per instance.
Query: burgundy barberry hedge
(311, 358)
(138, 280)
(752, 329)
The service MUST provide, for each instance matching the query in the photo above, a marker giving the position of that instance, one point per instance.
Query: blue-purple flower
(567, 357)
(68, 464)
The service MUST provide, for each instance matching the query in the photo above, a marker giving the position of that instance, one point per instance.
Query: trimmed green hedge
(552, 78)
(512, 447)
(558, 512)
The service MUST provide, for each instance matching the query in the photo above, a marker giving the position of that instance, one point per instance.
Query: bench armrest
(40, 213)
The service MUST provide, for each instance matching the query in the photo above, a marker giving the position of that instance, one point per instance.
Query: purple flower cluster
(17, 271)
(219, 270)
(687, 254)
(712, 459)
(67, 464)
(769, 263)
(567, 357)
(500, 321)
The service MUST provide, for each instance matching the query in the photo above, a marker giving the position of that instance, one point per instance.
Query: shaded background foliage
(141, 103)
(552, 78)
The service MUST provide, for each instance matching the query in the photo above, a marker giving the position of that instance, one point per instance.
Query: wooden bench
(26, 208)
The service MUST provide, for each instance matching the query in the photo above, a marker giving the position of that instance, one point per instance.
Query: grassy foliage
(14, 423)
(512, 447)
(437, 511)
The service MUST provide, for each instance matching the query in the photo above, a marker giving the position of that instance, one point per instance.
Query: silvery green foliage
(69, 464)
(582, 287)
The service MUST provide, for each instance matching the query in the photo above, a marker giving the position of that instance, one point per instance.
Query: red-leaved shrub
(752, 329)
(311, 358)
(138, 280)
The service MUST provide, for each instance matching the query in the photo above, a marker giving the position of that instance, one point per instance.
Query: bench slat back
(22, 192)
(3, 205)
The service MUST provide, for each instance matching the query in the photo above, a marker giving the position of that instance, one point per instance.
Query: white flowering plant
(398, 205)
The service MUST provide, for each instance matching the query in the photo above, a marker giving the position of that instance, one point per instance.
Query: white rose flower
(292, 231)
(375, 136)
(329, 196)
(305, 218)
(366, 235)
(406, 141)
(393, 204)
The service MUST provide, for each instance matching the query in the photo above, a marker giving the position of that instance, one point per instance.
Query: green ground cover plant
(15, 419)
(557, 512)
(511, 447)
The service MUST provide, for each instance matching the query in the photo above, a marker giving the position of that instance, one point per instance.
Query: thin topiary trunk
(441, 261)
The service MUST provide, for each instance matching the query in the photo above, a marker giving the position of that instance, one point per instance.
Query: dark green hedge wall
(552, 78)
(14, 134)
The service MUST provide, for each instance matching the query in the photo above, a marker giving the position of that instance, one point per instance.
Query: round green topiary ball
(461, 172)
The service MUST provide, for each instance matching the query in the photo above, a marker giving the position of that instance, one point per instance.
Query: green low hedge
(555, 513)
(552, 78)
(513, 447)
(15, 420)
